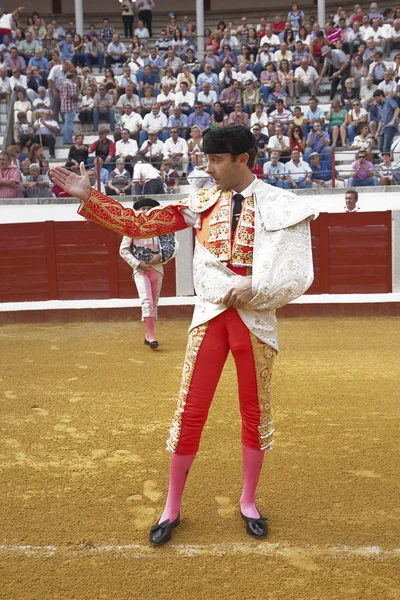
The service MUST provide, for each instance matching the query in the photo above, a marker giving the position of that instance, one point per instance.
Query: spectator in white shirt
(147, 179)
(116, 52)
(141, 31)
(388, 86)
(176, 149)
(93, 182)
(129, 120)
(298, 172)
(282, 53)
(244, 75)
(154, 121)
(126, 148)
(136, 62)
(259, 117)
(5, 86)
(270, 38)
(184, 99)
(41, 103)
(152, 149)
(166, 99)
(207, 97)
(305, 77)
(394, 39)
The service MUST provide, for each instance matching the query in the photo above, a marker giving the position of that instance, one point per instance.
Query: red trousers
(207, 351)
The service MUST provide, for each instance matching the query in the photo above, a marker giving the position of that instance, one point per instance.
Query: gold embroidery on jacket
(263, 361)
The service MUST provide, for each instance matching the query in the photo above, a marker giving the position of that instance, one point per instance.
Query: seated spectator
(163, 42)
(35, 184)
(318, 141)
(120, 181)
(85, 109)
(129, 120)
(336, 118)
(116, 52)
(41, 63)
(264, 57)
(94, 53)
(78, 48)
(136, 63)
(22, 105)
(300, 53)
(178, 120)
(199, 117)
(111, 84)
(104, 173)
(152, 149)
(146, 178)
(195, 147)
(172, 61)
(219, 118)
(305, 78)
(362, 172)
(282, 53)
(385, 170)
(23, 131)
(274, 171)
(282, 116)
(170, 177)
(243, 75)
(65, 47)
(170, 79)
(322, 172)
(93, 182)
(188, 77)
(6, 45)
(166, 99)
(393, 43)
(155, 62)
(129, 97)
(298, 117)
(268, 79)
(388, 86)
(377, 68)
(141, 31)
(126, 148)
(270, 38)
(367, 93)
(364, 141)
(358, 72)
(285, 78)
(230, 97)
(155, 121)
(147, 101)
(298, 172)
(5, 87)
(297, 139)
(79, 152)
(348, 94)
(238, 116)
(103, 108)
(207, 98)
(354, 119)
(10, 178)
(46, 129)
(104, 148)
(261, 144)
(209, 77)
(259, 117)
(277, 94)
(281, 143)
(184, 99)
(250, 97)
(176, 149)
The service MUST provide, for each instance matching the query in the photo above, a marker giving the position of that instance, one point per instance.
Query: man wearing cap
(339, 61)
(147, 257)
(252, 255)
(322, 172)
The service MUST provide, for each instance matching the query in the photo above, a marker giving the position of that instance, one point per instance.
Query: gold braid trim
(111, 214)
(196, 336)
(263, 361)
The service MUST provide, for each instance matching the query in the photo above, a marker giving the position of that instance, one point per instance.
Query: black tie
(237, 209)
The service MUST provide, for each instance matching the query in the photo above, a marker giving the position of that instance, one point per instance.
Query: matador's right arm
(135, 224)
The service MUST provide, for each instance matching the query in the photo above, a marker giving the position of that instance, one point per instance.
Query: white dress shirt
(180, 147)
(129, 148)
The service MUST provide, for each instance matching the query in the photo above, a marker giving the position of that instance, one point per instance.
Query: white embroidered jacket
(282, 261)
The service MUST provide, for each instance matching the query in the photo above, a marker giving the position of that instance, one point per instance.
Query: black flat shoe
(153, 345)
(257, 528)
(146, 342)
(161, 533)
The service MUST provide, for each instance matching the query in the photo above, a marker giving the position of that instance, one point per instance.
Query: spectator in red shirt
(105, 148)
(10, 177)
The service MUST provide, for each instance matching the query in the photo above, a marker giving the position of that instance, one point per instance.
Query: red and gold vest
(215, 234)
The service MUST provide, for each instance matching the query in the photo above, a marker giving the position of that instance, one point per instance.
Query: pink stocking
(179, 469)
(252, 463)
(149, 323)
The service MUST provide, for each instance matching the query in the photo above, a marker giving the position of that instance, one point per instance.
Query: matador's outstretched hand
(76, 185)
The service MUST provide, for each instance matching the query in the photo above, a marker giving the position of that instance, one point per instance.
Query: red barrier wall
(78, 259)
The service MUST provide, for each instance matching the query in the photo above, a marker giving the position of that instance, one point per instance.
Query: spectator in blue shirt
(65, 46)
(179, 121)
(318, 141)
(322, 172)
(154, 61)
(40, 62)
(388, 125)
(209, 77)
(312, 114)
(199, 117)
(148, 78)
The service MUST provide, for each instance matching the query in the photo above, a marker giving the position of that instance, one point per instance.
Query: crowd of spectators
(150, 101)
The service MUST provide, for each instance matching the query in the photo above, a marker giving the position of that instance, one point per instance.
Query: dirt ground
(84, 415)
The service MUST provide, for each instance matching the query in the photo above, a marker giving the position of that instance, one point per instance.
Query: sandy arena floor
(84, 414)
